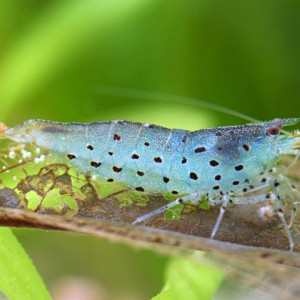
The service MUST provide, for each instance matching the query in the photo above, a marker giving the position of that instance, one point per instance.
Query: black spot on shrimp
(246, 147)
(90, 147)
(95, 164)
(200, 149)
(193, 176)
(71, 156)
(239, 167)
(214, 163)
(166, 179)
(158, 159)
(140, 189)
(117, 137)
(218, 177)
(116, 169)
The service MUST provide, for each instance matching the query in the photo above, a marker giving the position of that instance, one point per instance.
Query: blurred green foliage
(54, 54)
(189, 280)
(18, 277)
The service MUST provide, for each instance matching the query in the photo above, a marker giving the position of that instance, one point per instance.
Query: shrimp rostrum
(224, 164)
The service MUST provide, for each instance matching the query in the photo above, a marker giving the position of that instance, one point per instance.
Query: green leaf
(18, 276)
(189, 280)
(165, 295)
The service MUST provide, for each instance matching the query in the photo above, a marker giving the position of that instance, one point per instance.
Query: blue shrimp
(224, 164)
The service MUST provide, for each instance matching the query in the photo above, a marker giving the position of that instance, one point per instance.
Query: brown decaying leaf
(274, 271)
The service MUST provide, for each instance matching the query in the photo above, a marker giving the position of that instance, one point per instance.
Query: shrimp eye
(273, 130)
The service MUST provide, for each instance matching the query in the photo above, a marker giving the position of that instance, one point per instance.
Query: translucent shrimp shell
(155, 159)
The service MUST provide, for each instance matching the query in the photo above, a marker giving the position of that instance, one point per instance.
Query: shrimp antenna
(155, 96)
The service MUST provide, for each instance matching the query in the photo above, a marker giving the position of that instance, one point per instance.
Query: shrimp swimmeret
(224, 164)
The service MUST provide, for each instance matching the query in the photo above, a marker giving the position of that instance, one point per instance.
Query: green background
(55, 55)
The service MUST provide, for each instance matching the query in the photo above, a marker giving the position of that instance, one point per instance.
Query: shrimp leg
(194, 197)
